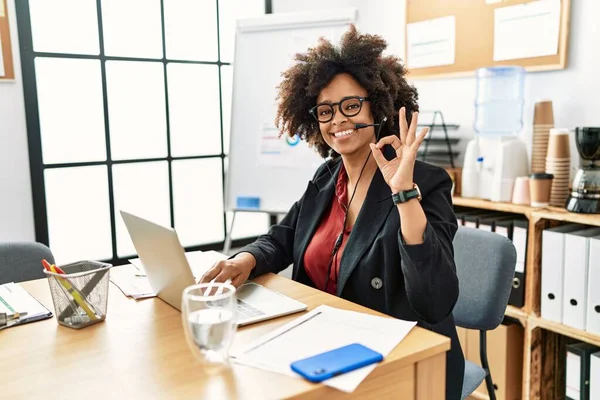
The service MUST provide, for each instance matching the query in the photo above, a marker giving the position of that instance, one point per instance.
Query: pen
(281, 333)
(4, 317)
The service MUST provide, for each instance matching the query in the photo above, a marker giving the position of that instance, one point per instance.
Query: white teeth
(343, 133)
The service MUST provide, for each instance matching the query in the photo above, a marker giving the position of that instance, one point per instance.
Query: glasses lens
(324, 112)
(350, 107)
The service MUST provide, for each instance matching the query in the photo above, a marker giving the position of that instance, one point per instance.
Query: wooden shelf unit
(544, 341)
(565, 330)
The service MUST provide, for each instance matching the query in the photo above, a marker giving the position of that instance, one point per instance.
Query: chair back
(22, 261)
(485, 265)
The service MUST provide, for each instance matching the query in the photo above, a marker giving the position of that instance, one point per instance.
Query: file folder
(553, 256)
(519, 238)
(461, 217)
(492, 221)
(474, 220)
(504, 227)
(576, 277)
(578, 371)
(593, 299)
(595, 376)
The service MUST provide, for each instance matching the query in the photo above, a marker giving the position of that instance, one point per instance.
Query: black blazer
(378, 270)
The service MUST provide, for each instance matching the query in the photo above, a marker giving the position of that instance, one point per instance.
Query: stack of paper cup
(543, 121)
(558, 163)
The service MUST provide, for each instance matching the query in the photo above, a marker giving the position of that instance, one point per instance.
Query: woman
(374, 226)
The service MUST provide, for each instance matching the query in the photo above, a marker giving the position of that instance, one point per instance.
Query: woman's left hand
(398, 172)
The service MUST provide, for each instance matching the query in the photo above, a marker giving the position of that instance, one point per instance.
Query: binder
(553, 255)
(593, 299)
(576, 277)
(504, 227)
(460, 213)
(461, 217)
(474, 220)
(595, 376)
(578, 371)
(496, 220)
(519, 238)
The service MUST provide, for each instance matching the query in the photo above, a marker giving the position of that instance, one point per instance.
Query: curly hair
(360, 55)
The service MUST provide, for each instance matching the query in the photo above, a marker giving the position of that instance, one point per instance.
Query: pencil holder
(80, 295)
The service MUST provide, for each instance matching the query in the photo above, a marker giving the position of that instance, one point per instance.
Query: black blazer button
(377, 283)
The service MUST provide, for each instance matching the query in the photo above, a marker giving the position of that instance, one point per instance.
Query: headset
(340, 237)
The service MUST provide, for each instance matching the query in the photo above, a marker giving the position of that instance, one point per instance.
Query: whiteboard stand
(262, 164)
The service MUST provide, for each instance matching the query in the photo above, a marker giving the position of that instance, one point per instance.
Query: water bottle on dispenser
(496, 156)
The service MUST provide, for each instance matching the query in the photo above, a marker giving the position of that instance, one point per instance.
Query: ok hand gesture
(398, 172)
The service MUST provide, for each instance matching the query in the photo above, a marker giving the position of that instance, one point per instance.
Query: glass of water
(209, 320)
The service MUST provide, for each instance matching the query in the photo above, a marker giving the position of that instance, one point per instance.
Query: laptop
(169, 273)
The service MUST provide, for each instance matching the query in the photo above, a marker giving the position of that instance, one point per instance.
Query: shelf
(552, 213)
(516, 313)
(565, 330)
(560, 214)
(441, 141)
(491, 205)
(440, 126)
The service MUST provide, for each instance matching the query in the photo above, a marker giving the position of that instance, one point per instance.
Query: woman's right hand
(237, 269)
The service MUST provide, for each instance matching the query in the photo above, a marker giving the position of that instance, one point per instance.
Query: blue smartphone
(335, 362)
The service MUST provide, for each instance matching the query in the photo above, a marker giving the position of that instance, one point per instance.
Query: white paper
(573, 376)
(324, 328)
(526, 30)
(284, 151)
(132, 281)
(1, 56)
(431, 43)
(127, 278)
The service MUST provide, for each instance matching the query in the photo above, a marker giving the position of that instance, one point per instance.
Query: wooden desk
(139, 352)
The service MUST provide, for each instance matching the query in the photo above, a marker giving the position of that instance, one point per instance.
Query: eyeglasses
(349, 106)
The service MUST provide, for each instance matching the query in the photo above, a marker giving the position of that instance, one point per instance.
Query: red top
(318, 252)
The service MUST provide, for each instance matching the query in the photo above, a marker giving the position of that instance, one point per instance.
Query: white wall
(381, 17)
(575, 92)
(16, 206)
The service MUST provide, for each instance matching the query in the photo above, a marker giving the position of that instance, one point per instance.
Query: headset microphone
(360, 126)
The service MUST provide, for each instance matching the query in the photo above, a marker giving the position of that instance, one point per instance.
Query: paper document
(526, 30)
(431, 43)
(132, 281)
(15, 299)
(324, 328)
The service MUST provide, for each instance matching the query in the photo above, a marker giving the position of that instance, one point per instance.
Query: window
(127, 107)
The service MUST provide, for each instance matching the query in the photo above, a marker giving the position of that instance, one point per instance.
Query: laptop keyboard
(246, 310)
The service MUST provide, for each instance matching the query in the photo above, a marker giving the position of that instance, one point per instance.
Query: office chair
(485, 264)
(22, 261)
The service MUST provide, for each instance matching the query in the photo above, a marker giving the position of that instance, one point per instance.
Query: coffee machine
(585, 194)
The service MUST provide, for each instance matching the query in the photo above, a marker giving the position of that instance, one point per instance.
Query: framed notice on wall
(7, 71)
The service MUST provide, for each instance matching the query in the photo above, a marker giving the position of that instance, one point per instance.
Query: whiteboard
(276, 170)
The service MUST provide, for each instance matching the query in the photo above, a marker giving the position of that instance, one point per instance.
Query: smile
(343, 133)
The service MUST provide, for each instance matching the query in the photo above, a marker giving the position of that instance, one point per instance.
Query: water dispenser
(496, 156)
